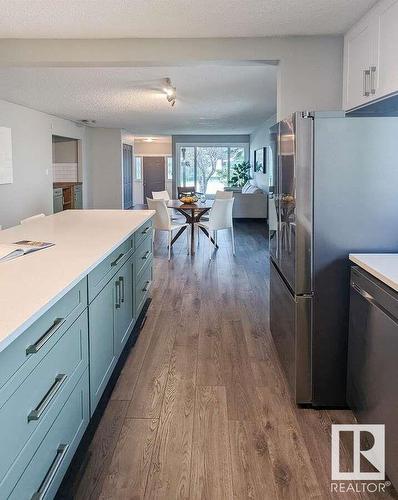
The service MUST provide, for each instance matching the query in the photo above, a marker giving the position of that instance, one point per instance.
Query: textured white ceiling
(210, 98)
(176, 18)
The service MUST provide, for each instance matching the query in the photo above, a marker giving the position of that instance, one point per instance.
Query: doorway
(154, 175)
(127, 176)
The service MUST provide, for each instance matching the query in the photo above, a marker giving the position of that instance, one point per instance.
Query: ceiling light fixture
(148, 139)
(170, 91)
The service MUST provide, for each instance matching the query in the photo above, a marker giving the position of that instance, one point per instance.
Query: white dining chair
(33, 217)
(160, 195)
(224, 195)
(164, 195)
(220, 217)
(220, 195)
(162, 222)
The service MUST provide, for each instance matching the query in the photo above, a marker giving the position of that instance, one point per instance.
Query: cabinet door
(102, 345)
(123, 304)
(77, 197)
(57, 203)
(359, 48)
(388, 44)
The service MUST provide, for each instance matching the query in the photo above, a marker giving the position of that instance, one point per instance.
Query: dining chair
(160, 195)
(33, 217)
(162, 222)
(224, 195)
(220, 195)
(220, 217)
(164, 195)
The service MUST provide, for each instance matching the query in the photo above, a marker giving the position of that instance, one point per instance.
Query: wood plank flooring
(201, 409)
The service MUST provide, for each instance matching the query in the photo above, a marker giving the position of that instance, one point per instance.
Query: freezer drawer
(372, 390)
(290, 322)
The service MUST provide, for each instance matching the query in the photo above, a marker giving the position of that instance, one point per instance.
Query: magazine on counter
(10, 251)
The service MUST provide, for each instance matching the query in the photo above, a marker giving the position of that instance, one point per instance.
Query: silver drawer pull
(373, 70)
(364, 294)
(145, 231)
(114, 263)
(147, 254)
(373, 301)
(117, 294)
(52, 472)
(366, 76)
(39, 410)
(121, 279)
(32, 349)
(146, 287)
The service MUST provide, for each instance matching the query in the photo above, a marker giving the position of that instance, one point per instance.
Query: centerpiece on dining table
(189, 199)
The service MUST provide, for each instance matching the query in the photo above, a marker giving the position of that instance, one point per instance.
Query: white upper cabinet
(388, 47)
(370, 56)
(358, 55)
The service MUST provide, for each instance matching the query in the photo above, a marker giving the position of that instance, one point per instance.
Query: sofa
(251, 201)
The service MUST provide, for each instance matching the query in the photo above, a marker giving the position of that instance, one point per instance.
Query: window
(169, 164)
(209, 167)
(138, 168)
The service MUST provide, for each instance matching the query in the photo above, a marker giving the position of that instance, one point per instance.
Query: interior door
(127, 176)
(154, 175)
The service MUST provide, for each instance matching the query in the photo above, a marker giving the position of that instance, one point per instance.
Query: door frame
(130, 147)
(143, 172)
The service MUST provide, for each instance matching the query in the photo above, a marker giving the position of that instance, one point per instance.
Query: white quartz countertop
(31, 284)
(383, 266)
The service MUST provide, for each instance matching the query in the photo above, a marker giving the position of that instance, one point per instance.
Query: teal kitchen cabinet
(124, 318)
(110, 322)
(102, 350)
(77, 196)
(58, 200)
(44, 473)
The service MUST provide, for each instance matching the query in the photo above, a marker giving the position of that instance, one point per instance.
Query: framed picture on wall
(260, 160)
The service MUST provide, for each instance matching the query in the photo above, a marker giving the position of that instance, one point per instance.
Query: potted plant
(240, 174)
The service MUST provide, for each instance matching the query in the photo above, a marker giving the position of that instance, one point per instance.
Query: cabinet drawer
(30, 411)
(100, 276)
(142, 232)
(26, 351)
(44, 473)
(143, 254)
(57, 191)
(142, 288)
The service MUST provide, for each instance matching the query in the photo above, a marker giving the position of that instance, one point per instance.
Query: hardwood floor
(201, 409)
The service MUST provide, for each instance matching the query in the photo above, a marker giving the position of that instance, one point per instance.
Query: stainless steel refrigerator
(333, 190)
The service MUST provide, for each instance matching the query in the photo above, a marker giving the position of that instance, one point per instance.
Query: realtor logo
(373, 452)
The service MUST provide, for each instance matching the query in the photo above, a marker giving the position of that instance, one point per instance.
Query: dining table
(192, 212)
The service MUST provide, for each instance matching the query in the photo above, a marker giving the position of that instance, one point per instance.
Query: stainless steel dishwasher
(372, 385)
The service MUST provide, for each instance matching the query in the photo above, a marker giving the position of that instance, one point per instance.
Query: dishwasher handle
(367, 296)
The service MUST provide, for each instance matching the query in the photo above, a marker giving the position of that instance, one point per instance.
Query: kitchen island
(66, 314)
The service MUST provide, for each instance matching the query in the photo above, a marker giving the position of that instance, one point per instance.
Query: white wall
(259, 138)
(31, 192)
(152, 148)
(105, 166)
